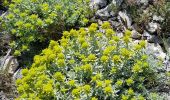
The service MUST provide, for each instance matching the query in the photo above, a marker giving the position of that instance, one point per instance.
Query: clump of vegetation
(4, 2)
(87, 64)
(29, 21)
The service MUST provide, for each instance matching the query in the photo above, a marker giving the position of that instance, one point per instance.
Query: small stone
(157, 18)
(10, 65)
(17, 74)
(115, 24)
(152, 27)
(103, 14)
(98, 4)
(156, 50)
(146, 35)
(155, 39)
(117, 2)
(136, 35)
(126, 19)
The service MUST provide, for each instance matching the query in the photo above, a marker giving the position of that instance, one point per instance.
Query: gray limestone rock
(97, 4)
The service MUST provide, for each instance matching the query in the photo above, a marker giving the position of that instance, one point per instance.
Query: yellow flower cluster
(32, 20)
(83, 66)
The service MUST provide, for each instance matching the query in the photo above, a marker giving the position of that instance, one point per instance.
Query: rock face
(126, 19)
(8, 64)
(153, 27)
(97, 4)
(156, 50)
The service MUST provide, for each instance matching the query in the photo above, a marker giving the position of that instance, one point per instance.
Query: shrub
(4, 2)
(87, 64)
(38, 20)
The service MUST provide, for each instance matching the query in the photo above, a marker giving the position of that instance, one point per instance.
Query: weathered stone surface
(97, 4)
(126, 19)
(155, 39)
(146, 35)
(117, 2)
(136, 35)
(17, 74)
(153, 27)
(8, 64)
(157, 18)
(103, 13)
(156, 50)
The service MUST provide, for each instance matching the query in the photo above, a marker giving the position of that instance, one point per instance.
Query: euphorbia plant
(29, 21)
(88, 64)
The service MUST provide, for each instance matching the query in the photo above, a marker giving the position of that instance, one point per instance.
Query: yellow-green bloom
(104, 59)
(129, 81)
(66, 34)
(76, 92)
(45, 7)
(10, 16)
(61, 62)
(71, 82)
(128, 33)
(130, 91)
(25, 72)
(126, 53)
(113, 70)
(23, 14)
(125, 97)
(39, 22)
(94, 98)
(48, 21)
(85, 45)
(17, 53)
(87, 88)
(142, 43)
(108, 90)
(109, 33)
(34, 17)
(59, 76)
(61, 56)
(91, 57)
(99, 83)
(126, 39)
(107, 82)
(116, 59)
(28, 25)
(106, 25)
(119, 83)
(136, 68)
(48, 88)
(87, 68)
(140, 97)
(116, 38)
(137, 47)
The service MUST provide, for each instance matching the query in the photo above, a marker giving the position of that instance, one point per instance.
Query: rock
(10, 65)
(157, 18)
(110, 10)
(155, 39)
(98, 4)
(144, 2)
(127, 21)
(103, 14)
(152, 27)
(146, 35)
(136, 35)
(17, 74)
(114, 24)
(2, 96)
(156, 50)
(117, 2)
